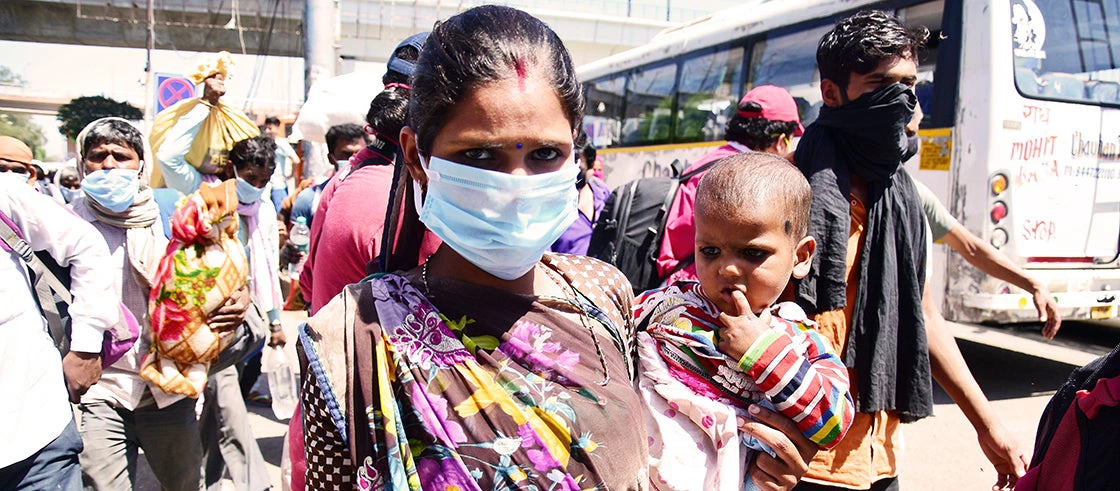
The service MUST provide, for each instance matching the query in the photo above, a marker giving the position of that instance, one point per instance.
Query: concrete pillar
(319, 57)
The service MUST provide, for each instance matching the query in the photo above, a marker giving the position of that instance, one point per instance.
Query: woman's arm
(172, 155)
(792, 449)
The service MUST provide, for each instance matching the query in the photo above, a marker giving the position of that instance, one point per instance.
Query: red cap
(776, 103)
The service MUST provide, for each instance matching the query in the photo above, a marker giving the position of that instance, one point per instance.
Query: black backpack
(630, 228)
(1084, 451)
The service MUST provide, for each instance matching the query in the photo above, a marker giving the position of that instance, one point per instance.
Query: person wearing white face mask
(493, 363)
(228, 442)
(123, 413)
(41, 443)
(15, 158)
(68, 183)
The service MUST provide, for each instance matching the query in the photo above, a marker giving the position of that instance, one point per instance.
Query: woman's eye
(546, 154)
(478, 154)
(709, 251)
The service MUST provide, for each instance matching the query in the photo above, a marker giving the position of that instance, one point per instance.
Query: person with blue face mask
(68, 184)
(509, 365)
(228, 442)
(115, 198)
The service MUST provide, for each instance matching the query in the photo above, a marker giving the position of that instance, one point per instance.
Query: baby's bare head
(747, 183)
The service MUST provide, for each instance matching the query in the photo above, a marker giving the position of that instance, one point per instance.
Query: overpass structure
(33, 104)
(365, 30)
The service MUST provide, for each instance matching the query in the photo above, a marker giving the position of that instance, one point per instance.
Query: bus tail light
(999, 211)
(999, 184)
(999, 238)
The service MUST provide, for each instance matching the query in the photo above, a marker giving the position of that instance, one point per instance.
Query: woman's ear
(410, 153)
(804, 254)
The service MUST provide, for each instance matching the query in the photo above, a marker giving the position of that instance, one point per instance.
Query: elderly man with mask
(124, 412)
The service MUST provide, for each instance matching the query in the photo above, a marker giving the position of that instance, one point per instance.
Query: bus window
(649, 105)
(1066, 50)
(603, 119)
(707, 94)
(790, 61)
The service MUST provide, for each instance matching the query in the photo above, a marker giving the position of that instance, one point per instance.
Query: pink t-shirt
(679, 241)
(347, 230)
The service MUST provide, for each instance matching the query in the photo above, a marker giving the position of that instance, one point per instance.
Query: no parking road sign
(171, 89)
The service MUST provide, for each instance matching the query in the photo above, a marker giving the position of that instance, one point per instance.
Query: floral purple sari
(468, 387)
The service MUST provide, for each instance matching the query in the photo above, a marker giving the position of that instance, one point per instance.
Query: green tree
(9, 77)
(79, 112)
(20, 127)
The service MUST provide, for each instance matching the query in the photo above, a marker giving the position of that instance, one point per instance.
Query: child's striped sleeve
(810, 388)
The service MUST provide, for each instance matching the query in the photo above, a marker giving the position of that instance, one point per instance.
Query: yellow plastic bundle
(224, 126)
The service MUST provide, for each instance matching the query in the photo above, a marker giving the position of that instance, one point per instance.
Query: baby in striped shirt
(710, 349)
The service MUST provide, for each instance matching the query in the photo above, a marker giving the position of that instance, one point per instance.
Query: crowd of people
(459, 337)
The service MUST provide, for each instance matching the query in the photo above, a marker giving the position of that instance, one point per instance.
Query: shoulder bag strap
(46, 284)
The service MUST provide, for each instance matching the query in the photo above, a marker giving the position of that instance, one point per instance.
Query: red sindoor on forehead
(522, 72)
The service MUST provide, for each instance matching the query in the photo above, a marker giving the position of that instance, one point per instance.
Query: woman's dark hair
(860, 42)
(480, 46)
(388, 112)
(272, 121)
(483, 45)
(258, 150)
(756, 133)
(114, 131)
(589, 155)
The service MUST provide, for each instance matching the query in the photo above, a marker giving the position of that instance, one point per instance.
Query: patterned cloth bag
(203, 266)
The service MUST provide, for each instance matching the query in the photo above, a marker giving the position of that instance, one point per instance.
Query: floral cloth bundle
(203, 266)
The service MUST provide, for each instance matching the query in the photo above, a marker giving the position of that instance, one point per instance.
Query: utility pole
(149, 91)
(318, 42)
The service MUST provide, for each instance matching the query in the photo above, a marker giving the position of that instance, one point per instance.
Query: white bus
(1021, 136)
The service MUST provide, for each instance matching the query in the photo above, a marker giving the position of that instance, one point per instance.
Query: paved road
(1018, 372)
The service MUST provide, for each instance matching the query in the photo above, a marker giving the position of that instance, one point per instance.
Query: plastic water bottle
(300, 236)
(281, 382)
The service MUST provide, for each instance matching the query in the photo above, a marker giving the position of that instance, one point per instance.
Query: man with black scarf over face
(868, 277)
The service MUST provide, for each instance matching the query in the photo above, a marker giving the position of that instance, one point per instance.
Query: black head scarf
(887, 339)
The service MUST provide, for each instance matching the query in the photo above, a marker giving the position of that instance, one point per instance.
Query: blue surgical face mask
(500, 222)
(247, 193)
(68, 194)
(114, 189)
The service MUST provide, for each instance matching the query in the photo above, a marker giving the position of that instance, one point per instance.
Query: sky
(57, 71)
(118, 73)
